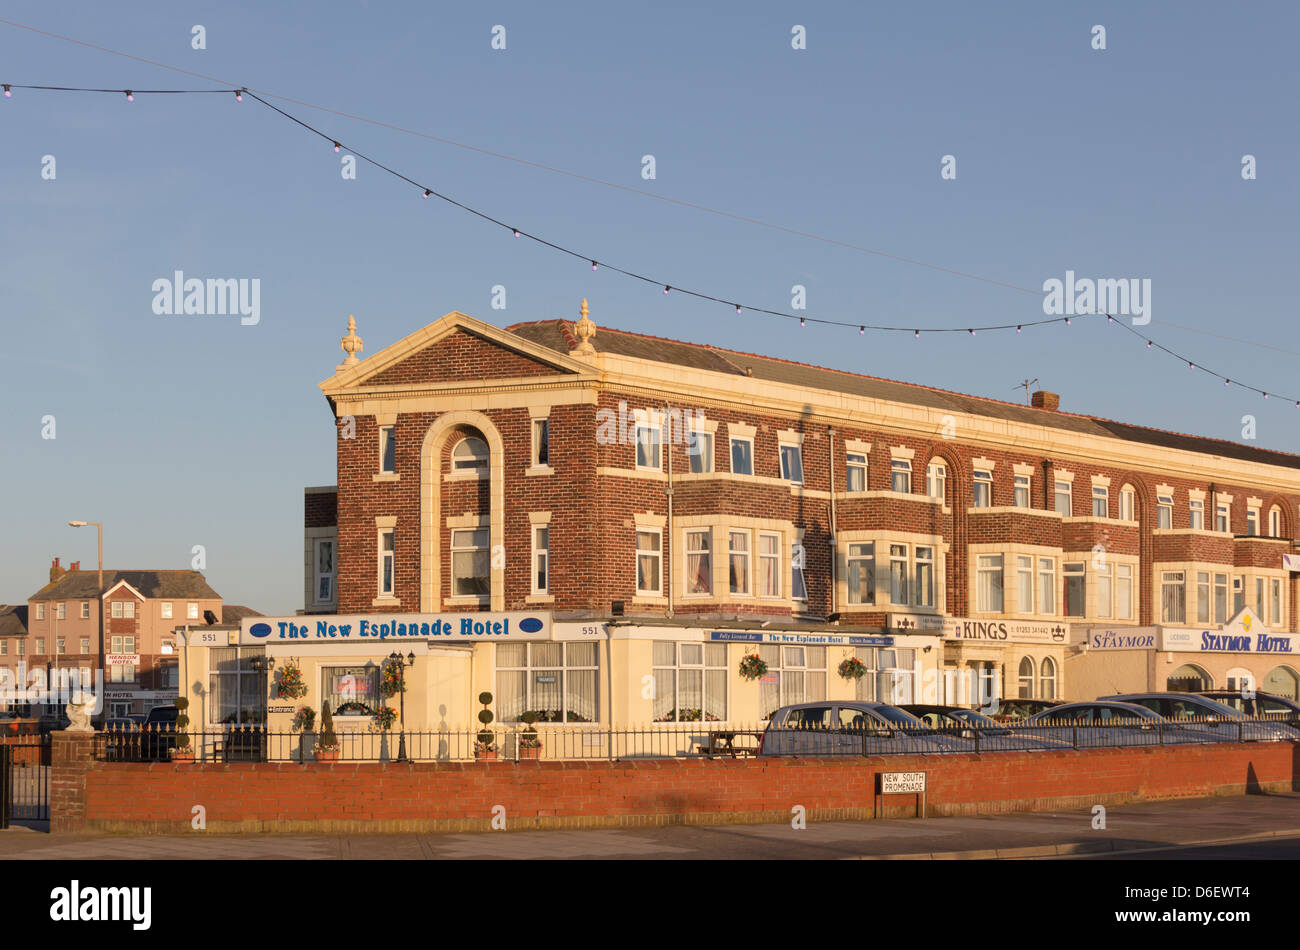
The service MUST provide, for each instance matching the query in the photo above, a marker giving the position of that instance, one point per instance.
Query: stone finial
(350, 344)
(584, 330)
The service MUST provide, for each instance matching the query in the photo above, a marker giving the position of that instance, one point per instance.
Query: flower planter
(533, 753)
(182, 755)
(492, 756)
(327, 755)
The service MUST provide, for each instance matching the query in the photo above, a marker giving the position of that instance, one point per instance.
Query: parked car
(159, 733)
(1265, 705)
(851, 728)
(1004, 709)
(1199, 714)
(989, 736)
(1103, 723)
(51, 722)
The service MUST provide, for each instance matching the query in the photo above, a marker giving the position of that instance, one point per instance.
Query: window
(1238, 594)
(21, 648)
(800, 676)
(648, 438)
(1047, 679)
(128, 609)
(387, 562)
(1173, 597)
(541, 558)
(1275, 602)
(555, 680)
(4, 647)
(1063, 499)
(1075, 589)
(1026, 678)
(936, 480)
(1220, 598)
(85, 610)
(1252, 522)
(792, 463)
(1196, 512)
(166, 609)
(169, 676)
(116, 609)
(738, 561)
(387, 449)
(1106, 591)
(860, 574)
(324, 572)
(192, 610)
(742, 456)
(983, 489)
(896, 675)
(1275, 522)
(352, 690)
(469, 455)
(1203, 597)
(1024, 584)
(798, 589)
(40, 611)
(649, 562)
(1123, 591)
(470, 565)
(1164, 511)
(1047, 585)
(769, 564)
(699, 563)
(855, 472)
(541, 442)
(924, 587)
(1259, 598)
(690, 682)
(61, 645)
(1221, 520)
(1022, 491)
(988, 592)
(900, 476)
(1127, 499)
(61, 611)
(898, 574)
(1100, 502)
(85, 645)
(699, 451)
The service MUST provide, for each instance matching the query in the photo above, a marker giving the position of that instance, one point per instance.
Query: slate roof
(13, 620)
(233, 613)
(555, 335)
(81, 585)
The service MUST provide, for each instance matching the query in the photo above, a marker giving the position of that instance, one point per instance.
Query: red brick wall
(320, 509)
(460, 356)
(452, 797)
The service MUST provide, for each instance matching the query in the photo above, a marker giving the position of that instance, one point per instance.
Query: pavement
(1260, 826)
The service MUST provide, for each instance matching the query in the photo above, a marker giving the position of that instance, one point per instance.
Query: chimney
(55, 571)
(74, 566)
(1045, 400)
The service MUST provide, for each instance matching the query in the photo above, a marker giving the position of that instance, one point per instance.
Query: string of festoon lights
(596, 263)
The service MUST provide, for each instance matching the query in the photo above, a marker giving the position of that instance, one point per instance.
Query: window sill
(386, 477)
(650, 600)
(536, 598)
(474, 476)
(385, 601)
(474, 601)
(539, 470)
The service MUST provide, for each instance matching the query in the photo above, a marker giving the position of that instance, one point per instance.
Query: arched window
(1127, 504)
(936, 479)
(1189, 678)
(1026, 678)
(1283, 681)
(1239, 678)
(1275, 522)
(1047, 679)
(470, 454)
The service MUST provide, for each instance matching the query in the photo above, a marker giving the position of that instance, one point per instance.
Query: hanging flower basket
(853, 669)
(288, 682)
(304, 720)
(392, 679)
(385, 716)
(752, 666)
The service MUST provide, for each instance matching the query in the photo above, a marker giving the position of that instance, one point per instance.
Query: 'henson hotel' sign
(357, 628)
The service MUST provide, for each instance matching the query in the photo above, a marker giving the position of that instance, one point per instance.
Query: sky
(179, 431)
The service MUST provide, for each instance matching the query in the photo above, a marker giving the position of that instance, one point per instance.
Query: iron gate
(24, 779)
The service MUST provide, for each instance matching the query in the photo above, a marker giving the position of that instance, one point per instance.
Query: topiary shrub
(328, 738)
(182, 723)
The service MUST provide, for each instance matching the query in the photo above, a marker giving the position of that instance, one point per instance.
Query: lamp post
(99, 607)
(402, 664)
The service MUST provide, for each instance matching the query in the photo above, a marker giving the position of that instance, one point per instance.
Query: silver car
(841, 727)
(1200, 714)
(1105, 723)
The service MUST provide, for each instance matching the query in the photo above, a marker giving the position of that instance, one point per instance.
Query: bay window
(795, 675)
(898, 574)
(690, 682)
(989, 582)
(1173, 597)
(555, 680)
(738, 561)
(861, 573)
(1075, 589)
(699, 561)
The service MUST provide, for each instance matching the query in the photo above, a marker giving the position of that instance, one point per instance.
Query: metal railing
(252, 743)
(24, 779)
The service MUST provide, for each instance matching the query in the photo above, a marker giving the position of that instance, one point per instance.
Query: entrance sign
(360, 628)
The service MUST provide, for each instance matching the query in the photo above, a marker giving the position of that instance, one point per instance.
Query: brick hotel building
(806, 514)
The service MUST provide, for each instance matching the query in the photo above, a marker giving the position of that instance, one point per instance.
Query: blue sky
(179, 431)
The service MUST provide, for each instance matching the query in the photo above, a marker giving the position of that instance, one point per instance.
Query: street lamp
(99, 607)
(402, 664)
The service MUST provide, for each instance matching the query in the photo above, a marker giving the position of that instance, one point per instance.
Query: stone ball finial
(351, 344)
(584, 330)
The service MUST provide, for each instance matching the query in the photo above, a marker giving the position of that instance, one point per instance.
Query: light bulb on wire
(129, 96)
(8, 94)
